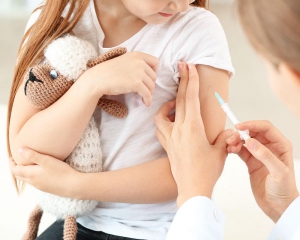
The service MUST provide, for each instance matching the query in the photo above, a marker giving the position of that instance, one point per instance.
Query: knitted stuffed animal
(66, 58)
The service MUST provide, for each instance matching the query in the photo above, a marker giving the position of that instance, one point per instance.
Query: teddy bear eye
(53, 74)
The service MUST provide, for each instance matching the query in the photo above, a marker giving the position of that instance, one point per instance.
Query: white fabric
(195, 36)
(199, 218)
(288, 226)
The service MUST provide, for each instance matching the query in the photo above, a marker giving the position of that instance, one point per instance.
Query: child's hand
(131, 72)
(47, 174)
(196, 164)
(269, 158)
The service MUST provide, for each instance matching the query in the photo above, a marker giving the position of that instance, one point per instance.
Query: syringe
(243, 134)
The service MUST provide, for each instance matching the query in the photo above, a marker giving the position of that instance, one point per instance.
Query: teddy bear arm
(107, 56)
(113, 107)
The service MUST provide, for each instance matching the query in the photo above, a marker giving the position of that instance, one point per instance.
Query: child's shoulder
(196, 17)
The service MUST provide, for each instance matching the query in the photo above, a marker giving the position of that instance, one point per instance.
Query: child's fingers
(192, 104)
(180, 98)
(149, 84)
(150, 60)
(150, 72)
(145, 93)
(19, 171)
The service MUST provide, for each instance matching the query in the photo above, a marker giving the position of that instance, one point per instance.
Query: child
(134, 201)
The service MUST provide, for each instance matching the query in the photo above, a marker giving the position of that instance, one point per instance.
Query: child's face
(285, 83)
(156, 11)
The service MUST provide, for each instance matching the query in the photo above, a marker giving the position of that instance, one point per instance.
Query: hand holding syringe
(243, 134)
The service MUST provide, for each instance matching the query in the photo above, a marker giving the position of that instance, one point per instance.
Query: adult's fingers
(180, 98)
(192, 103)
(161, 119)
(161, 138)
(172, 117)
(263, 154)
(262, 126)
(269, 135)
(236, 148)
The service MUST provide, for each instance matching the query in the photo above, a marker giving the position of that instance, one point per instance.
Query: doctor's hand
(269, 158)
(195, 164)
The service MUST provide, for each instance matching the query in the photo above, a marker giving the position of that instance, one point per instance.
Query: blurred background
(250, 98)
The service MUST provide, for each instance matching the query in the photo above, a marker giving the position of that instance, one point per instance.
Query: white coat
(199, 218)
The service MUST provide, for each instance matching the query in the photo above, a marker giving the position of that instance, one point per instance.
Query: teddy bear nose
(32, 78)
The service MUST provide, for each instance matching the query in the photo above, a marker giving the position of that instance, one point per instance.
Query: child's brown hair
(273, 28)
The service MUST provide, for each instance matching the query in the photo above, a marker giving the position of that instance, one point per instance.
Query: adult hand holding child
(195, 163)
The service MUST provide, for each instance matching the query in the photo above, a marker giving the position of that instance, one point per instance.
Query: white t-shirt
(195, 36)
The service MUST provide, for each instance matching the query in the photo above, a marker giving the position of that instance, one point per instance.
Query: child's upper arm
(212, 79)
(203, 43)
(22, 111)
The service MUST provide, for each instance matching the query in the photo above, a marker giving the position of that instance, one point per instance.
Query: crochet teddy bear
(66, 58)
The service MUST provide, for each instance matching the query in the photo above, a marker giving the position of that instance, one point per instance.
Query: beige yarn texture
(42, 91)
(70, 228)
(33, 224)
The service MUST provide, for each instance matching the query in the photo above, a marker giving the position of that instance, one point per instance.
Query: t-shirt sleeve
(203, 41)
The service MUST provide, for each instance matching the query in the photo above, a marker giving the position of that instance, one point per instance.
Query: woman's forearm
(146, 183)
(56, 130)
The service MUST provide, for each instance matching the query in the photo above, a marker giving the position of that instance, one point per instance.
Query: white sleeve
(203, 42)
(288, 226)
(198, 218)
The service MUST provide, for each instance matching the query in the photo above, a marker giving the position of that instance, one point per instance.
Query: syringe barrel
(230, 114)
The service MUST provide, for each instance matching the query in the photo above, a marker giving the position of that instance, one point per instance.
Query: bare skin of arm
(214, 119)
(150, 182)
(51, 131)
(56, 130)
